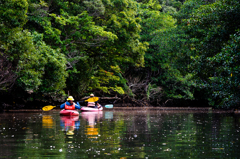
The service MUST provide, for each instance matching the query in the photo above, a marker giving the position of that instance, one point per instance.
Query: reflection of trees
(102, 136)
(130, 135)
(141, 129)
(161, 135)
(32, 138)
(7, 126)
(45, 139)
(178, 135)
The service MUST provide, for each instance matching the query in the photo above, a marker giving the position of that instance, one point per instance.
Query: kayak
(91, 109)
(109, 106)
(69, 112)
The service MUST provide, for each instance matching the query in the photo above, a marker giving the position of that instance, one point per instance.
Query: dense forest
(148, 52)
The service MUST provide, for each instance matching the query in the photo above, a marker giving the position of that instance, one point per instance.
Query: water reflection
(69, 124)
(47, 121)
(108, 115)
(92, 118)
(132, 134)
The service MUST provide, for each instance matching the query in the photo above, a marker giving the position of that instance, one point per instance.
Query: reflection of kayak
(69, 112)
(69, 118)
(91, 109)
(88, 115)
(92, 118)
(70, 121)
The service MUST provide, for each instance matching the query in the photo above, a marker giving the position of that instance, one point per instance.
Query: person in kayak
(92, 103)
(70, 105)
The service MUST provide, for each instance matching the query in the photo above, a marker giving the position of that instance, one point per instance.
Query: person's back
(92, 103)
(70, 105)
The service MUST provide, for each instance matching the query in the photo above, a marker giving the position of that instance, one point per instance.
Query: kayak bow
(69, 112)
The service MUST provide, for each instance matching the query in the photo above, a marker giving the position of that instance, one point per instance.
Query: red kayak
(69, 112)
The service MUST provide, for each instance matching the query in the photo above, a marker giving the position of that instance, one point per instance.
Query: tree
(94, 36)
(165, 74)
(225, 84)
(11, 23)
(34, 66)
(212, 29)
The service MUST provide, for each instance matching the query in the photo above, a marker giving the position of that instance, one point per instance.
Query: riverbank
(157, 109)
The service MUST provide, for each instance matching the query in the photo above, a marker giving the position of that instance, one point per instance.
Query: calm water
(121, 134)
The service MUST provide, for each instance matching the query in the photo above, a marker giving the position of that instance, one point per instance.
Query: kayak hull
(69, 112)
(109, 106)
(91, 109)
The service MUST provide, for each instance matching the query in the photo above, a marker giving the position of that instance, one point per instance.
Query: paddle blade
(109, 106)
(47, 108)
(92, 99)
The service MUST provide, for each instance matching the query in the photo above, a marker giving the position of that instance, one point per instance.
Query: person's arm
(62, 106)
(98, 105)
(77, 106)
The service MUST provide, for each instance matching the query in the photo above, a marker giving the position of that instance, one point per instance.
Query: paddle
(92, 99)
(48, 107)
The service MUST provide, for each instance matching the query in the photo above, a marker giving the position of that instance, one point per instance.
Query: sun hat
(70, 98)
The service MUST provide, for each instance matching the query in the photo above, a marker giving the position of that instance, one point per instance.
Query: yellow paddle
(92, 99)
(48, 107)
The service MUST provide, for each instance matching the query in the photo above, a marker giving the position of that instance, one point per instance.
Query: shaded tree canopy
(149, 51)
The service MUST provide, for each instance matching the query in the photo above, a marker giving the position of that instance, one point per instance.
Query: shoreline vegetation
(167, 110)
(124, 103)
(135, 53)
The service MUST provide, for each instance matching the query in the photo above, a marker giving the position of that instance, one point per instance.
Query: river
(120, 134)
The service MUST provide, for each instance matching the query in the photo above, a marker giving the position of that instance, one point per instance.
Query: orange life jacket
(70, 107)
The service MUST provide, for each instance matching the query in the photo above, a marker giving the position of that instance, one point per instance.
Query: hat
(70, 98)
(91, 95)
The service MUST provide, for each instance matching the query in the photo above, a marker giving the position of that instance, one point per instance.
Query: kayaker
(92, 103)
(70, 105)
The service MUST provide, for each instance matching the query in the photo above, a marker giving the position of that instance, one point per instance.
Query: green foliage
(38, 67)
(165, 58)
(121, 19)
(211, 29)
(12, 14)
(44, 69)
(186, 10)
(225, 83)
(15, 42)
(85, 46)
(88, 32)
(106, 81)
(170, 6)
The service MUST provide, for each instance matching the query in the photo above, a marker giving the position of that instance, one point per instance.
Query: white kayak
(91, 109)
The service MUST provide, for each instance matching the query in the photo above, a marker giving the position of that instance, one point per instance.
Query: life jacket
(70, 107)
(91, 104)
